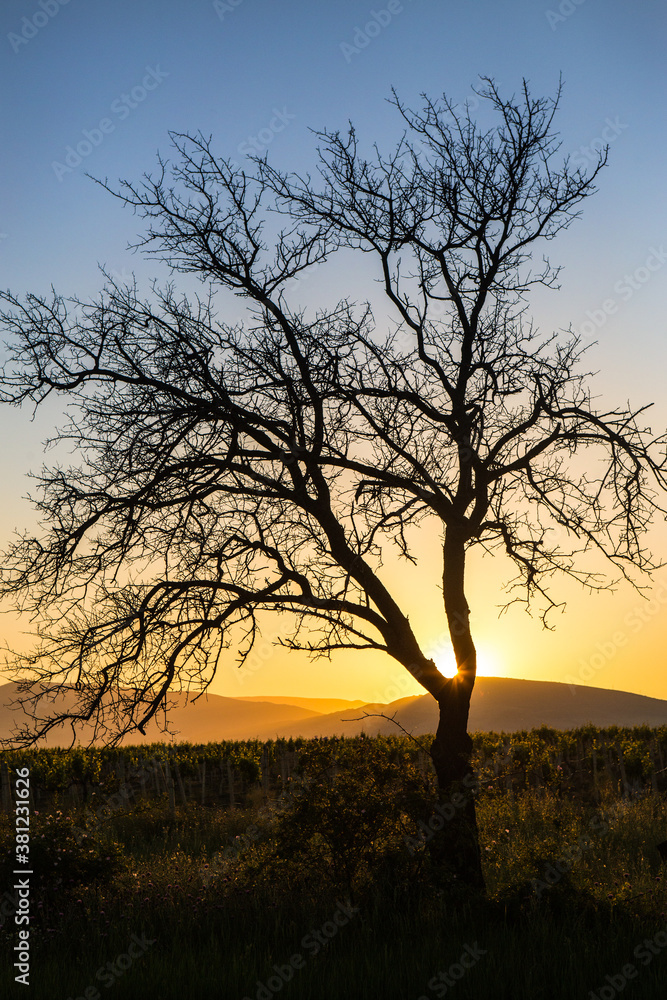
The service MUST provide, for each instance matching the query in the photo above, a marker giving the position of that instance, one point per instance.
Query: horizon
(305, 696)
(503, 705)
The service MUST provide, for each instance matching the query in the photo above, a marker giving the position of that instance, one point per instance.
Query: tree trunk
(456, 846)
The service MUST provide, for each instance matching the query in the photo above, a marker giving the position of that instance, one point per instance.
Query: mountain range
(499, 704)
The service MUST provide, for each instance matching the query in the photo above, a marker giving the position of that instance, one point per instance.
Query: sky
(94, 87)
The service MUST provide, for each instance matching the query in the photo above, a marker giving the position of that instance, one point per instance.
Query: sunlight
(489, 662)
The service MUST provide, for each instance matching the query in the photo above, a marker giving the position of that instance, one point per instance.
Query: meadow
(301, 869)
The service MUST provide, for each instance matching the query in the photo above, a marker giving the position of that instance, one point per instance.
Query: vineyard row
(582, 762)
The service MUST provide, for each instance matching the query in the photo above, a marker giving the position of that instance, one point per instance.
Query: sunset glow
(490, 662)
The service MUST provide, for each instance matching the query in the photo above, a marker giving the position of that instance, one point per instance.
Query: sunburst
(489, 662)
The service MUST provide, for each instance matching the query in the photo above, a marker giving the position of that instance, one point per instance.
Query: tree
(229, 472)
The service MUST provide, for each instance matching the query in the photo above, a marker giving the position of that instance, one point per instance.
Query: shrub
(348, 815)
(62, 857)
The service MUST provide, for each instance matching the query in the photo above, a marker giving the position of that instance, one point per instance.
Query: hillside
(210, 718)
(500, 704)
(323, 706)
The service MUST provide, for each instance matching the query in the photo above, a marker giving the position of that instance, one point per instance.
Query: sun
(489, 662)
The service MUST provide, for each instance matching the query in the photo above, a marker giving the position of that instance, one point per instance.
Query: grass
(573, 891)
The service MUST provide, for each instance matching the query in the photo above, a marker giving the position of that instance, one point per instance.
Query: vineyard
(227, 859)
(585, 762)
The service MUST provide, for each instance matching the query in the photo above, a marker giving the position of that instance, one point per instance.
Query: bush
(62, 857)
(347, 817)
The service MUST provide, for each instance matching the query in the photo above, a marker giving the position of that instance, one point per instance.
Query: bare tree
(228, 472)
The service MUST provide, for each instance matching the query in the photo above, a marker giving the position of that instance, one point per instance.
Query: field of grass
(329, 893)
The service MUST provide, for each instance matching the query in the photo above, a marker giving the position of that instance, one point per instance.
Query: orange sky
(602, 639)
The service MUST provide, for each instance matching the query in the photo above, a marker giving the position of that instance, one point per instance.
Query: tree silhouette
(228, 472)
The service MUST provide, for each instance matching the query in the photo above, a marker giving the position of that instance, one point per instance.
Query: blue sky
(267, 71)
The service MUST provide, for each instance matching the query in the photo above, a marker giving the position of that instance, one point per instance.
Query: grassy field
(329, 894)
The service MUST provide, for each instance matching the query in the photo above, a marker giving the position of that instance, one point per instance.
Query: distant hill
(499, 703)
(507, 704)
(322, 705)
(210, 718)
